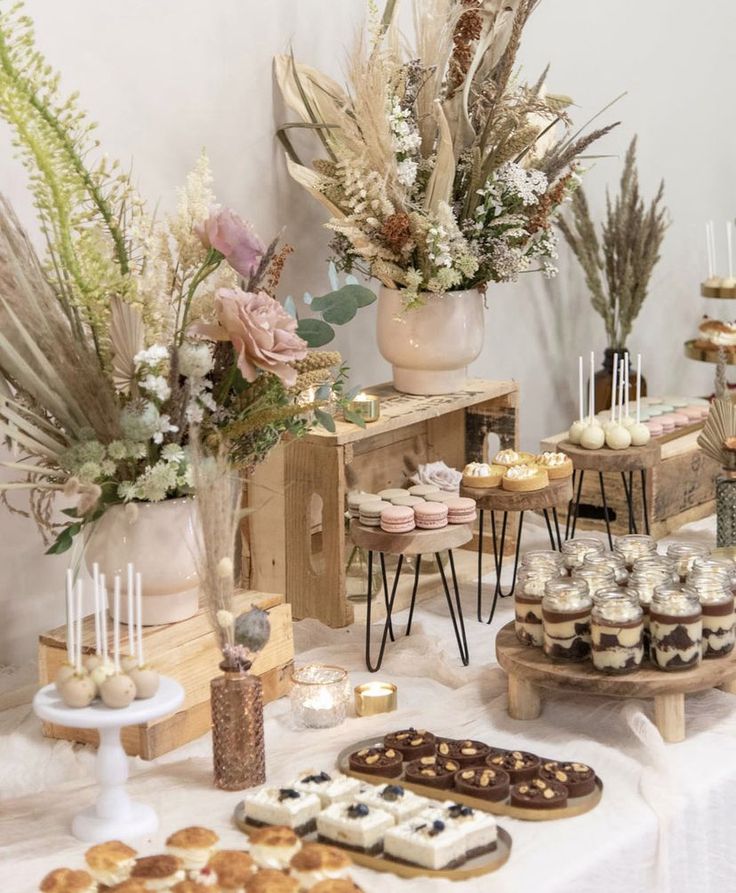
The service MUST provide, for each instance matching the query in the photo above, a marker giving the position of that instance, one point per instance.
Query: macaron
(391, 492)
(666, 407)
(355, 499)
(676, 402)
(652, 401)
(431, 515)
(680, 419)
(655, 411)
(423, 489)
(370, 512)
(441, 496)
(397, 519)
(655, 429)
(406, 500)
(698, 401)
(667, 423)
(693, 413)
(461, 511)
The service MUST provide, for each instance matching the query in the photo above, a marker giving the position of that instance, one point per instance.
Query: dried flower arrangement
(133, 329)
(619, 265)
(442, 169)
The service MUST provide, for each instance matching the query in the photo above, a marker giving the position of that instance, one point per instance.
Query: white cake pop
(92, 661)
(640, 434)
(101, 672)
(66, 671)
(128, 662)
(576, 431)
(618, 437)
(593, 438)
(146, 681)
(117, 691)
(78, 690)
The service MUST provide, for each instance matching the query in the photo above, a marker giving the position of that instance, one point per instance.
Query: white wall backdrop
(166, 77)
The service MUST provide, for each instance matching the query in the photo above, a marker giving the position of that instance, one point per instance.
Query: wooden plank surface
(631, 459)
(532, 665)
(556, 493)
(416, 542)
(399, 410)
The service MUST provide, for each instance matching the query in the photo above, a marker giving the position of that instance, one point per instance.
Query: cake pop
(640, 433)
(77, 690)
(145, 678)
(118, 689)
(130, 660)
(593, 437)
(66, 670)
(576, 429)
(617, 437)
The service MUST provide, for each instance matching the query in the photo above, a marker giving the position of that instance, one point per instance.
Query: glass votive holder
(319, 695)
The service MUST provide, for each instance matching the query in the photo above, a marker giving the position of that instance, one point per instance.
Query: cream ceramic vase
(430, 347)
(159, 539)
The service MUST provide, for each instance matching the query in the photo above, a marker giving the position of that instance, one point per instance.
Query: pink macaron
(667, 422)
(693, 413)
(461, 510)
(397, 519)
(680, 419)
(431, 515)
(655, 429)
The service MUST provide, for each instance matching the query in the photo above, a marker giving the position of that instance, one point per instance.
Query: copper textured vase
(237, 731)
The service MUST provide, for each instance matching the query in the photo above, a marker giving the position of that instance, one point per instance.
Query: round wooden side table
(496, 499)
(417, 543)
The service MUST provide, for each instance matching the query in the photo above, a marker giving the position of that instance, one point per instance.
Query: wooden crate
(299, 493)
(188, 652)
(680, 489)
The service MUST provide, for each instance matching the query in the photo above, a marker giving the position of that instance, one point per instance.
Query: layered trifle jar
(575, 551)
(613, 562)
(595, 578)
(715, 594)
(676, 628)
(528, 602)
(617, 632)
(633, 546)
(684, 555)
(566, 609)
(647, 575)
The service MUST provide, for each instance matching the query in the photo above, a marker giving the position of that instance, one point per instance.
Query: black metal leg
(414, 594)
(644, 500)
(498, 559)
(385, 595)
(389, 608)
(576, 507)
(457, 622)
(480, 564)
(570, 504)
(549, 530)
(557, 527)
(629, 492)
(605, 510)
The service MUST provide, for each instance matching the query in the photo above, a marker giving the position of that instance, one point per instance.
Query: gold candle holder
(367, 406)
(375, 697)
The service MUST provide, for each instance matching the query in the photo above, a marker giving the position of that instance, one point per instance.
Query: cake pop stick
(729, 247)
(103, 615)
(713, 246)
(638, 389)
(580, 386)
(139, 615)
(131, 612)
(71, 653)
(96, 586)
(613, 391)
(78, 641)
(116, 624)
(709, 252)
(591, 395)
(621, 392)
(627, 367)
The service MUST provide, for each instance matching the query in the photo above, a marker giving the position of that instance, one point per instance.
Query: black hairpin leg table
(418, 543)
(497, 501)
(628, 464)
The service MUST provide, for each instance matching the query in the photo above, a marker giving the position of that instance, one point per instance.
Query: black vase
(604, 380)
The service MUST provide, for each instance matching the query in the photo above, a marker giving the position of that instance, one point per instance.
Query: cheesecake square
(329, 787)
(283, 806)
(428, 843)
(356, 826)
(394, 799)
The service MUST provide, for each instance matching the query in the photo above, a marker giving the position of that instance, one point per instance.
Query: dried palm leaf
(126, 340)
(311, 181)
(439, 188)
(719, 429)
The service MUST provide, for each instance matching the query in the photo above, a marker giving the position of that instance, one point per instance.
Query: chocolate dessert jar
(715, 594)
(676, 628)
(648, 574)
(574, 552)
(533, 577)
(566, 609)
(684, 555)
(617, 633)
(633, 546)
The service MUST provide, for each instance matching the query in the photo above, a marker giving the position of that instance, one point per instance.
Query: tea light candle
(319, 696)
(375, 697)
(368, 406)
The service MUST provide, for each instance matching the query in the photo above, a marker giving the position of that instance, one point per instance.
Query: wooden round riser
(630, 459)
(530, 672)
(416, 542)
(557, 492)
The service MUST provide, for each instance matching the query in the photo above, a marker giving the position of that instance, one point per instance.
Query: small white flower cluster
(159, 481)
(149, 365)
(528, 184)
(450, 255)
(195, 363)
(365, 194)
(406, 141)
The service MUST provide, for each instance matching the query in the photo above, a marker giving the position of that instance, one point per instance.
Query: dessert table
(665, 823)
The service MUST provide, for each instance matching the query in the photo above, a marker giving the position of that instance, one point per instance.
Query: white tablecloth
(667, 820)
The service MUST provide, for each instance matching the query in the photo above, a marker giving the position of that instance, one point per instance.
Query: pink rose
(261, 331)
(229, 234)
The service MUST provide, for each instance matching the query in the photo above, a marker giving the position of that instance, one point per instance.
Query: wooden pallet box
(680, 489)
(188, 652)
(298, 495)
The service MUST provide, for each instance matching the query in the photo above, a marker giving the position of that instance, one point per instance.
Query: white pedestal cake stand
(114, 816)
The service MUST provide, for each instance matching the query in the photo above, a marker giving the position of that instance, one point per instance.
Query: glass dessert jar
(617, 633)
(539, 557)
(610, 560)
(715, 594)
(647, 575)
(528, 596)
(708, 565)
(595, 577)
(633, 546)
(566, 609)
(676, 628)
(684, 554)
(575, 551)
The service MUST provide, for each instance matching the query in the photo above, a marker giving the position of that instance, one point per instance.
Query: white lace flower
(195, 359)
(157, 386)
(151, 356)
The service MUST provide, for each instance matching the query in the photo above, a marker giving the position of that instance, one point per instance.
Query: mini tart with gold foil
(525, 478)
(557, 465)
(509, 458)
(482, 476)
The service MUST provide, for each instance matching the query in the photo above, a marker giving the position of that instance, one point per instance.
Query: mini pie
(539, 794)
(519, 764)
(465, 751)
(434, 772)
(483, 782)
(557, 465)
(482, 475)
(377, 760)
(525, 478)
(578, 778)
(508, 458)
(411, 743)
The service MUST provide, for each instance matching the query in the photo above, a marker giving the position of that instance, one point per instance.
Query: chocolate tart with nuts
(483, 782)
(377, 760)
(434, 771)
(578, 778)
(539, 794)
(465, 751)
(519, 764)
(412, 743)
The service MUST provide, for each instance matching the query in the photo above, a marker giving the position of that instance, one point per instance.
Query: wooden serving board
(557, 492)
(575, 805)
(480, 865)
(630, 459)
(529, 670)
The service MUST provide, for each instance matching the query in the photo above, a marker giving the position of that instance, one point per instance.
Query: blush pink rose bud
(229, 234)
(261, 331)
